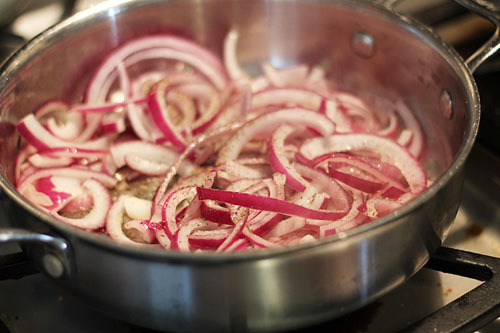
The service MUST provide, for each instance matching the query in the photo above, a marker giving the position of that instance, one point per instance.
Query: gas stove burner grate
(469, 312)
(473, 310)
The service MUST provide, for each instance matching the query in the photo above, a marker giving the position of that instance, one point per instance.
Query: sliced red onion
(232, 171)
(141, 84)
(391, 128)
(323, 183)
(238, 245)
(239, 216)
(310, 199)
(184, 104)
(209, 113)
(326, 229)
(154, 168)
(160, 114)
(96, 218)
(38, 198)
(359, 220)
(412, 124)
(148, 158)
(57, 189)
(230, 60)
(410, 168)
(192, 211)
(362, 118)
(163, 239)
(113, 123)
(71, 172)
(387, 185)
(93, 121)
(68, 130)
(78, 203)
(114, 223)
(52, 109)
(316, 80)
(278, 160)
(287, 226)
(361, 184)
(198, 141)
(44, 161)
(71, 153)
(210, 239)
(294, 76)
(120, 149)
(170, 206)
(61, 122)
(350, 100)
(289, 77)
(259, 83)
(38, 136)
(137, 208)
(200, 178)
(171, 47)
(21, 162)
(106, 107)
(124, 79)
(269, 121)
(302, 98)
(264, 223)
(142, 124)
(215, 213)
(252, 160)
(405, 138)
(307, 239)
(108, 165)
(217, 76)
(245, 101)
(266, 204)
(147, 234)
(27, 171)
(380, 171)
(378, 207)
(185, 231)
(272, 75)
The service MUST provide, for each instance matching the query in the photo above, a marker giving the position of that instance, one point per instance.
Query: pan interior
(403, 64)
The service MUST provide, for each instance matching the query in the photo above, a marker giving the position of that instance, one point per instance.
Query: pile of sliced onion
(242, 163)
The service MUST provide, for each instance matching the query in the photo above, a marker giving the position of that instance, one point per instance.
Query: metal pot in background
(364, 47)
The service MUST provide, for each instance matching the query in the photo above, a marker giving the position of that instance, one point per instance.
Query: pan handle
(51, 253)
(489, 9)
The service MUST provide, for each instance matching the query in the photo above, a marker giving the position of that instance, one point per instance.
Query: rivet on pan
(53, 265)
(363, 44)
(446, 104)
